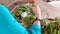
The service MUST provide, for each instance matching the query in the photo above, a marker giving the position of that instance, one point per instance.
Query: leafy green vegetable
(53, 27)
(24, 8)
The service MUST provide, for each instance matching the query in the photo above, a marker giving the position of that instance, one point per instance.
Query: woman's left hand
(17, 0)
(23, 0)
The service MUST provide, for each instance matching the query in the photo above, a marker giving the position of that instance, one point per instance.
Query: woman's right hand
(24, 0)
(37, 11)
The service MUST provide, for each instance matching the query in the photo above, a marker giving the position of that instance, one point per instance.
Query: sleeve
(35, 29)
(8, 25)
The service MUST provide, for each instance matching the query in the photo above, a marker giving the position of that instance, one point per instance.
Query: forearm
(37, 23)
(38, 17)
(8, 24)
(37, 12)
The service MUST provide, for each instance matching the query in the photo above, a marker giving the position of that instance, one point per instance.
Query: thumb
(36, 8)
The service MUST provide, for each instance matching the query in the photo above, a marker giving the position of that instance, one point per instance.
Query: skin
(11, 5)
(51, 10)
(36, 9)
(37, 12)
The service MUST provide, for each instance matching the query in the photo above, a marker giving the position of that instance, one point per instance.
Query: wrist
(37, 21)
(38, 17)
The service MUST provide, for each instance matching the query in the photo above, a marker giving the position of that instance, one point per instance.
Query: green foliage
(51, 28)
(33, 4)
(28, 19)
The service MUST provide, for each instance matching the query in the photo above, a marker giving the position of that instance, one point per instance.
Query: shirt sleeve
(35, 29)
(8, 25)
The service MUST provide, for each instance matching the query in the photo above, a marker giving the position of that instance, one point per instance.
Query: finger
(34, 9)
(18, 0)
(36, 2)
(37, 10)
(32, 1)
(27, 0)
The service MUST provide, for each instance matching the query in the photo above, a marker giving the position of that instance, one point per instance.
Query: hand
(24, 0)
(17, 0)
(37, 11)
(38, 2)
